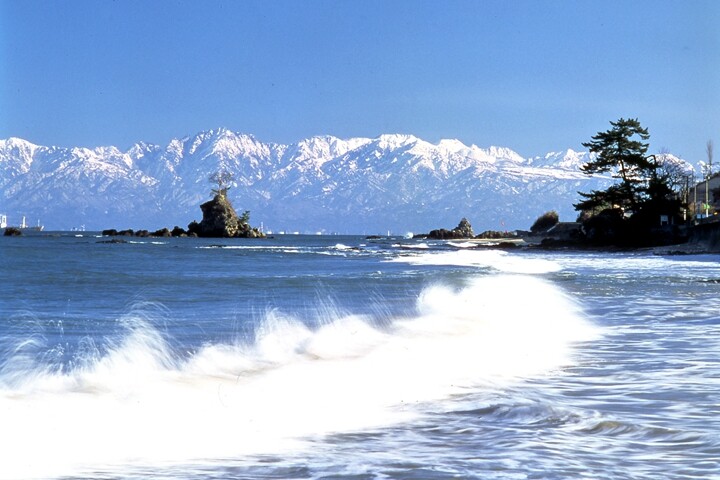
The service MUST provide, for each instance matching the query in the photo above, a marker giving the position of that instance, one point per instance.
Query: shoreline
(699, 246)
(535, 244)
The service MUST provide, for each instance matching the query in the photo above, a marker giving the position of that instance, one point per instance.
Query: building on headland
(705, 198)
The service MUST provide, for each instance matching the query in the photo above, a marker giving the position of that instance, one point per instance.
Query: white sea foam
(463, 244)
(140, 404)
(496, 259)
(413, 246)
(246, 247)
(693, 265)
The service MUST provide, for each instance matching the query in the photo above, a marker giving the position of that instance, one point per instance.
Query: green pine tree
(622, 152)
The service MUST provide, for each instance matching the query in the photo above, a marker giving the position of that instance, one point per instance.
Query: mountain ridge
(394, 182)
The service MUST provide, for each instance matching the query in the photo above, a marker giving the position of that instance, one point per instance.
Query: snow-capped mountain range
(394, 183)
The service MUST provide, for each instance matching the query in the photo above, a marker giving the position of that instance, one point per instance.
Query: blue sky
(535, 76)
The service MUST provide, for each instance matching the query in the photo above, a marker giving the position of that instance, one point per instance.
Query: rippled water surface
(343, 357)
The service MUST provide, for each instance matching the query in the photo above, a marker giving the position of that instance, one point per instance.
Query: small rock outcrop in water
(221, 220)
(12, 232)
(463, 230)
(163, 232)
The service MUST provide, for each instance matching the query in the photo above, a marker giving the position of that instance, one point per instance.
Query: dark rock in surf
(113, 241)
(463, 230)
(163, 232)
(178, 232)
(221, 221)
(441, 234)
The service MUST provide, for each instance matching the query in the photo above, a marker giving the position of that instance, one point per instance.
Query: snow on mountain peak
(15, 142)
(17, 146)
(396, 140)
(505, 153)
(222, 142)
(451, 145)
(565, 160)
(673, 163)
(141, 149)
(353, 185)
(16, 155)
(314, 151)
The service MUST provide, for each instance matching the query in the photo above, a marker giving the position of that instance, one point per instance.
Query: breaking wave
(140, 401)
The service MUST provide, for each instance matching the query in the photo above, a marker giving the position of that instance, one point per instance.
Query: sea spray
(142, 404)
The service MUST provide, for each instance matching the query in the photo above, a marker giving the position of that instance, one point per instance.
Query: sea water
(345, 357)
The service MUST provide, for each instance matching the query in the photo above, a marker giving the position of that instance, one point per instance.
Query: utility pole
(686, 198)
(708, 173)
(695, 200)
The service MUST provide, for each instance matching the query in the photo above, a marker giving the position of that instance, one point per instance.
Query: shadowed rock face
(221, 220)
(463, 230)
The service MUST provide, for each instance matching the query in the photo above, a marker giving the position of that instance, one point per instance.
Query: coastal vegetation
(647, 205)
(642, 208)
(545, 222)
(223, 179)
(622, 152)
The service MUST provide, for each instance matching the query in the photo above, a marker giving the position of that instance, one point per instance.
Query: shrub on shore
(545, 222)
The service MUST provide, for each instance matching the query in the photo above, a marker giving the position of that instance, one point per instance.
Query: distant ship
(35, 228)
(23, 225)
